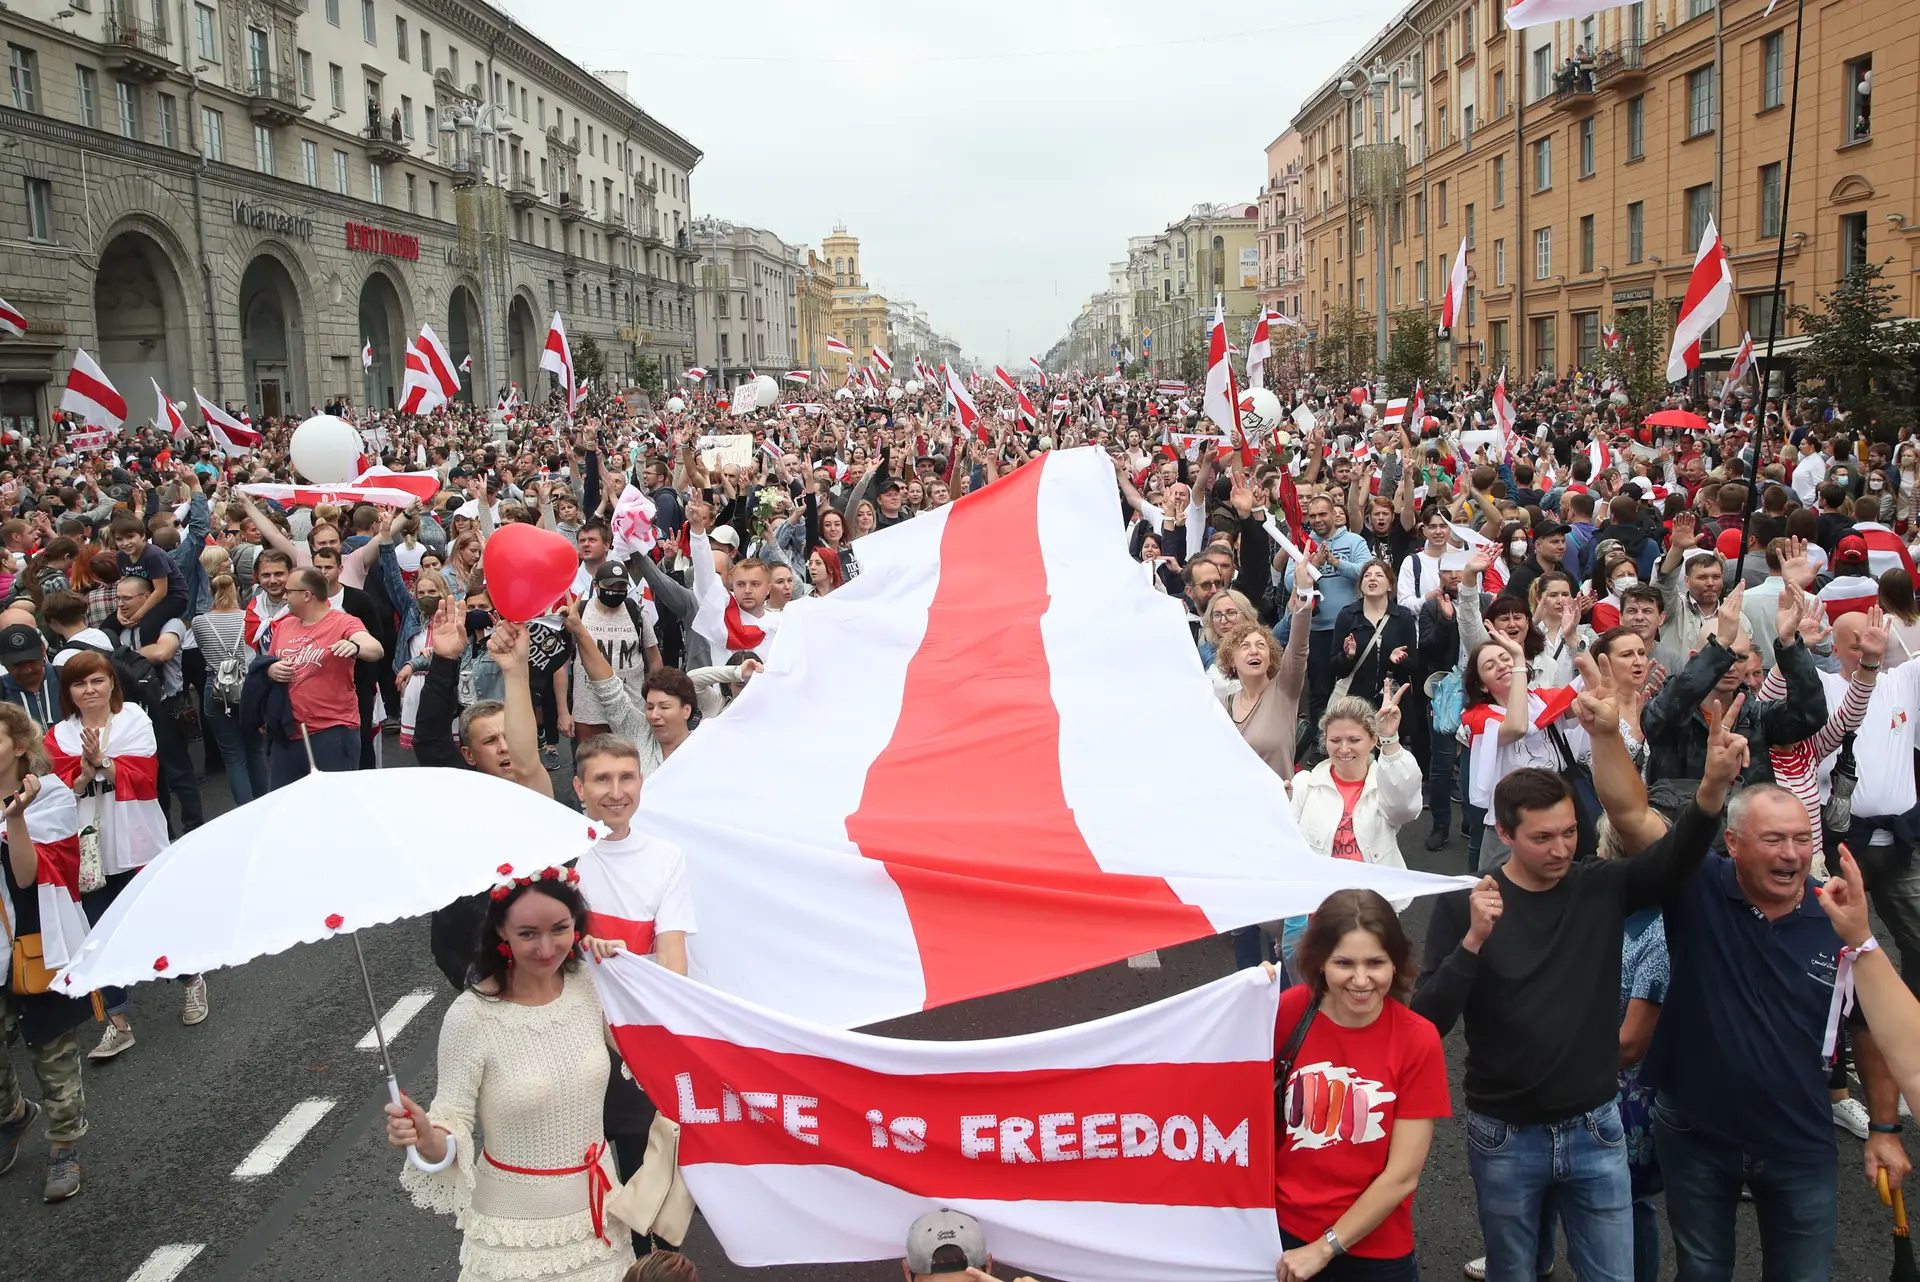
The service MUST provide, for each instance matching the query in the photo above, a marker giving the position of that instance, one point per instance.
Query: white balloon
(325, 450)
(766, 392)
(894, 393)
(843, 394)
(1260, 409)
(913, 387)
(870, 392)
(676, 406)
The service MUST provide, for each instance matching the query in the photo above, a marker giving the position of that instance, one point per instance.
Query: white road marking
(1145, 961)
(396, 1019)
(283, 1139)
(166, 1262)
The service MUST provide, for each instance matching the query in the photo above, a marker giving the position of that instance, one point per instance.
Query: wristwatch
(1332, 1240)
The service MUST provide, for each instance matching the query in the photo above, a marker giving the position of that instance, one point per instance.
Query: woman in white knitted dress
(523, 1063)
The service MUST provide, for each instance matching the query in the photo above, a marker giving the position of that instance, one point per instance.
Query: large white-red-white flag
(558, 357)
(1540, 13)
(439, 363)
(884, 361)
(1005, 379)
(1260, 350)
(13, 322)
(1709, 290)
(807, 1145)
(167, 415)
(235, 439)
(872, 866)
(1222, 400)
(1453, 308)
(90, 397)
(962, 401)
(419, 389)
(1886, 550)
(835, 345)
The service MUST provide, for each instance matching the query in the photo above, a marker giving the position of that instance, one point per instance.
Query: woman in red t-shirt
(1355, 1115)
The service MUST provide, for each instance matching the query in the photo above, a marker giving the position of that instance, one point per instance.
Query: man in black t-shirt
(549, 648)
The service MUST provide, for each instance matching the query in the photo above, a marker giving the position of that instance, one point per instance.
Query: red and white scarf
(56, 846)
(133, 827)
(717, 616)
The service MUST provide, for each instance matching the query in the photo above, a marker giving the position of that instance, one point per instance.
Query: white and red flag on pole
(366, 356)
(419, 389)
(1039, 371)
(439, 363)
(1026, 409)
(13, 322)
(1003, 378)
(1222, 403)
(558, 357)
(235, 439)
(1395, 413)
(885, 362)
(466, 363)
(1417, 412)
(1709, 290)
(798, 376)
(846, 1137)
(1742, 360)
(836, 346)
(1260, 350)
(1540, 13)
(963, 404)
(90, 397)
(168, 414)
(872, 864)
(1453, 308)
(1503, 412)
(694, 374)
(1609, 337)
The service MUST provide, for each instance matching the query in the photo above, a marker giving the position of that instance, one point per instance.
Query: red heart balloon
(527, 570)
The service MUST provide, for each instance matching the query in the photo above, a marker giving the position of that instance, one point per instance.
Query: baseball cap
(1550, 530)
(945, 1227)
(20, 643)
(725, 535)
(893, 483)
(1851, 550)
(612, 572)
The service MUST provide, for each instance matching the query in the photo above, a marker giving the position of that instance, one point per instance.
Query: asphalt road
(197, 1166)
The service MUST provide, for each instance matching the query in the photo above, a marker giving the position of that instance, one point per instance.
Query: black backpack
(140, 682)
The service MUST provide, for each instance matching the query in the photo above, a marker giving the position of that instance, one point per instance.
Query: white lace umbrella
(325, 856)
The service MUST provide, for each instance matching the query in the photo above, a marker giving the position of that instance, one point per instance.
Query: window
(39, 209)
(1466, 126)
(206, 33)
(1360, 239)
(1586, 339)
(1853, 242)
(1761, 310)
(333, 12)
(1472, 311)
(1773, 70)
(1499, 181)
(406, 116)
(1499, 93)
(1442, 194)
(1697, 7)
(1700, 101)
(169, 121)
(426, 52)
(724, 353)
(1636, 128)
(368, 23)
(1444, 136)
(1542, 71)
(453, 62)
(259, 60)
(1636, 231)
(127, 97)
(263, 149)
(413, 195)
(1543, 164)
(340, 184)
(213, 143)
(88, 83)
(1770, 200)
(1699, 206)
(1420, 281)
(1859, 98)
(1543, 354)
(1397, 298)
(1469, 226)
(433, 133)
(337, 86)
(1543, 253)
(1419, 213)
(1498, 346)
(1586, 243)
(433, 198)
(376, 184)
(310, 161)
(1586, 147)
(22, 78)
(305, 60)
(400, 40)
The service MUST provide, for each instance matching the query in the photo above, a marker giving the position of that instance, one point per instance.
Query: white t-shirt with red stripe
(1493, 760)
(636, 889)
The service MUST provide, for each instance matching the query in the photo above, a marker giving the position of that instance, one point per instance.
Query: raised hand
(1815, 629)
(1484, 905)
(1873, 638)
(1790, 611)
(1728, 620)
(1390, 708)
(1844, 899)
(448, 630)
(1728, 751)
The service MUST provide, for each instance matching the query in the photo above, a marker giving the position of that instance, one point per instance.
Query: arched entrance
(140, 318)
(463, 331)
(523, 345)
(272, 339)
(383, 324)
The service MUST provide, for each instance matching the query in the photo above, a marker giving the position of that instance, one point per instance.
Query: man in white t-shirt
(1420, 573)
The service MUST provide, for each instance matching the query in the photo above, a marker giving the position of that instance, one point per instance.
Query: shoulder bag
(1345, 683)
(29, 973)
(1284, 1103)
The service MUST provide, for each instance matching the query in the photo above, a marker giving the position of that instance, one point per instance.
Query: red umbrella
(1675, 418)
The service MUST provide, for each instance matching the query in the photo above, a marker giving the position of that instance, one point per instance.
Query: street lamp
(467, 137)
(1380, 176)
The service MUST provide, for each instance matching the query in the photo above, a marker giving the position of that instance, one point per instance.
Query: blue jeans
(1581, 1164)
(245, 758)
(1797, 1204)
(1251, 946)
(1646, 1240)
(1443, 751)
(335, 748)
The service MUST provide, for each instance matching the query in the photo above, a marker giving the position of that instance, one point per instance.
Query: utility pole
(1380, 177)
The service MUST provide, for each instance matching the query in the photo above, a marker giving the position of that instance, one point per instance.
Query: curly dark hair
(487, 962)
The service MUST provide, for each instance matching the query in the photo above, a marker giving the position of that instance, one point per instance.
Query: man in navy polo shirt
(1736, 1060)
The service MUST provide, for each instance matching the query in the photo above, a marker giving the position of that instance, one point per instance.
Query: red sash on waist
(598, 1185)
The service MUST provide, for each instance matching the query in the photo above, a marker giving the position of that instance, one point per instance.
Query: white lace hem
(495, 1249)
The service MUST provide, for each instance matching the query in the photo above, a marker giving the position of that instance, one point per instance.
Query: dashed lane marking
(283, 1139)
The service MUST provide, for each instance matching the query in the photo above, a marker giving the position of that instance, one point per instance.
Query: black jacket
(266, 705)
(1676, 729)
(1369, 671)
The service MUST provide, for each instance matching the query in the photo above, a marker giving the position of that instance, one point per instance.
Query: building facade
(859, 317)
(748, 310)
(1579, 164)
(1281, 215)
(238, 197)
(1213, 253)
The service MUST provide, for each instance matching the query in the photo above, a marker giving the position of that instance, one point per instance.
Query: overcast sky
(994, 157)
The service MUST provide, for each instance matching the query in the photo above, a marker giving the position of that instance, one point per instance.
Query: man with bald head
(1884, 810)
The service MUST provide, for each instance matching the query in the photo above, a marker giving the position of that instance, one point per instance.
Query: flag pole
(1779, 270)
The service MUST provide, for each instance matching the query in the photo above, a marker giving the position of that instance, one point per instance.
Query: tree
(589, 362)
(1637, 364)
(1863, 364)
(1191, 364)
(1410, 352)
(1346, 346)
(646, 373)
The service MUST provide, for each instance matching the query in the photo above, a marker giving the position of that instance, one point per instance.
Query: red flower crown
(569, 876)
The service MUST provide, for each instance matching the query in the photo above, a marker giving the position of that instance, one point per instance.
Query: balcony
(274, 100)
(572, 209)
(1624, 62)
(569, 263)
(649, 231)
(523, 192)
(136, 50)
(1574, 87)
(384, 144)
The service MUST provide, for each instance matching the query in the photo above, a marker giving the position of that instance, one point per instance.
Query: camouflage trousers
(57, 1065)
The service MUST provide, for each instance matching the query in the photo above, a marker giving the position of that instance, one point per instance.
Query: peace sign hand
(1390, 709)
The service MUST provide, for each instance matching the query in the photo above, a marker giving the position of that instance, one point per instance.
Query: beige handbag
(656, 1199)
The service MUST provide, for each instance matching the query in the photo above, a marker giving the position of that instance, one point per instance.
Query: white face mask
(1518, 547)
(1876, 484)
(1620, 586)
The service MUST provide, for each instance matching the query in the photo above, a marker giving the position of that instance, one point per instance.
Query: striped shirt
(1805, 769)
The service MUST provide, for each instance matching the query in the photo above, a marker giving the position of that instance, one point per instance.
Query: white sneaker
(1475, 1268)
(1850, 1115)
(112, 1042)
(193, 1002)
